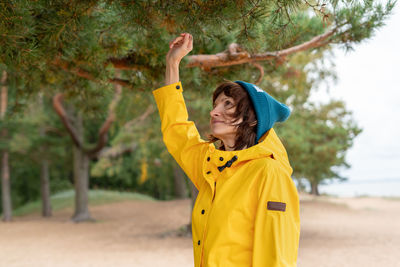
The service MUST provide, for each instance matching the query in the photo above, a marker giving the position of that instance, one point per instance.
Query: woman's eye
(228, 103)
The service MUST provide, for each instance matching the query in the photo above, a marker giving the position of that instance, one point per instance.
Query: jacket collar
(269, 146)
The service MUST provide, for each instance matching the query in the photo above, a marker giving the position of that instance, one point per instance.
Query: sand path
(335, 232)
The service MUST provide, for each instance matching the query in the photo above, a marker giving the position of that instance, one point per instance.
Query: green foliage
(32, 136)
(361, 20)
(35, 36)
(123, 173)
(317, 138)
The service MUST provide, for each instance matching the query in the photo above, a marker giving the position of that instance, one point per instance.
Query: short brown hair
(246, 131)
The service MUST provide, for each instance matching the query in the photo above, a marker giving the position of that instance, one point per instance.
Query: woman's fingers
(171, 44)
(185, 40)
(190, 46)
(175, 41)
(188, 41)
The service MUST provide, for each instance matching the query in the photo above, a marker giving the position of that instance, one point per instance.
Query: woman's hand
(179, 47)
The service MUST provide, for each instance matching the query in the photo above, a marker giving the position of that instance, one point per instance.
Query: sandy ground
(335, 232)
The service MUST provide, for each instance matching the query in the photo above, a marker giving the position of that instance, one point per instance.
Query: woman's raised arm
(180, 135)
(178, 48)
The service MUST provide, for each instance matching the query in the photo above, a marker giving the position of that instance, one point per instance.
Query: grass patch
(66, 199)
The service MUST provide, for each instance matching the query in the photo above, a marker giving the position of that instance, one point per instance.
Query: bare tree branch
(116, 151)
(58, 107)
(103, 137)
(102, 140)
(261, 69)
(150, 109)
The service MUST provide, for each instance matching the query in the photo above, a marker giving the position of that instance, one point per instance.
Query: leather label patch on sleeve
(271, 205)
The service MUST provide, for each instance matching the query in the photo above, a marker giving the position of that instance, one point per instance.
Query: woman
(247, 209)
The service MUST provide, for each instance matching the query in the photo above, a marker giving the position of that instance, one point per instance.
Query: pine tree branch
(232, 57)
(125, 64)
(85, 74)
(124, 83)
(58, 107)
(318, 8)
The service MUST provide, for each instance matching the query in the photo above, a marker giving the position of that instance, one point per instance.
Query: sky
(369, 84)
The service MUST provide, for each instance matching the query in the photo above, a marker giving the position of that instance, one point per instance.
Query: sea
(389, 187)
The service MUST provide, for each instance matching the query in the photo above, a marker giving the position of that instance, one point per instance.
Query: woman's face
(221, 118)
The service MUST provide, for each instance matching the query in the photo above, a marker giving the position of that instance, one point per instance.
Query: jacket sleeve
(180, 135)
(277, 225)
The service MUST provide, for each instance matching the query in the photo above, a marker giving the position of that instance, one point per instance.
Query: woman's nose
(215, 112)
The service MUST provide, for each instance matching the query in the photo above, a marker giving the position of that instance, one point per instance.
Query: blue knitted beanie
(268, 110)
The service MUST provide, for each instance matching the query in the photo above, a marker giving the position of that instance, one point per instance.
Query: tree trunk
(81, 178)
(45, 189)
(6, 190)
(314, 188)
(44, 172)
(5, 171)
(179, 182)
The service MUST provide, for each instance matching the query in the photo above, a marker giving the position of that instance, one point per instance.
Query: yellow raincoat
(247, 210)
